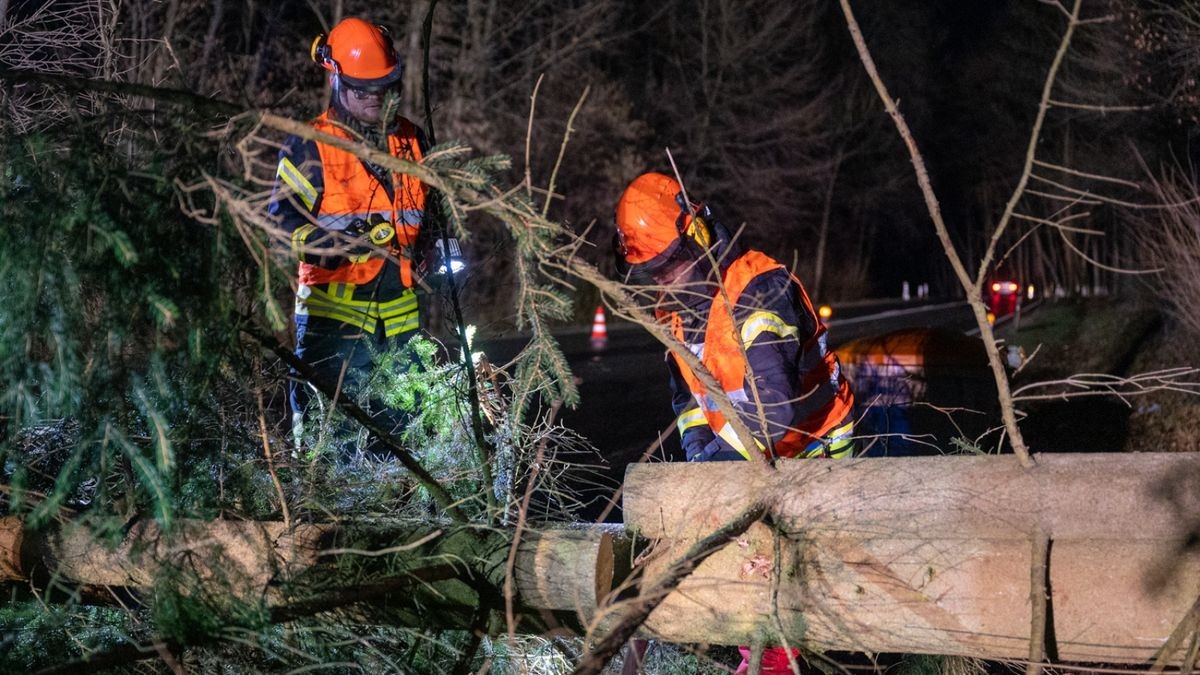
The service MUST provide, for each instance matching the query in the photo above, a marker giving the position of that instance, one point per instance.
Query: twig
(426, 41)
(383, 551)
(1063, 198)
(1104, 384)
(1035, 136)
(776, 580)
(1189, 661)
(1102, 109)
(478, 628)
(1038, 598)
(1084, 174)
(266, 444)
(522, 514)
(1115, 202)
(931, 202)
(1066, 240)
(562, 149)
(754, 667)
(1059, 224)
(529, 137)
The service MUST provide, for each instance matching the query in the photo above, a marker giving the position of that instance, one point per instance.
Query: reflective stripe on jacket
(352, 192)
(822, 400)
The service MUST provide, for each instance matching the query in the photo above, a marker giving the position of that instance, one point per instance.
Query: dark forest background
(764, 105)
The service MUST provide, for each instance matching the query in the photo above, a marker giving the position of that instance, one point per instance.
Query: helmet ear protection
(623, 268)
(693, 222)
(320, 52)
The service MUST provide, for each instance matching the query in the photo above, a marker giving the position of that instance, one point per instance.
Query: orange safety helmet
(360, 53)
(651, 216)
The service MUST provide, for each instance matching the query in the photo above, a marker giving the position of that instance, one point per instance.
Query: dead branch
(1084, 174)
(972, 288)
(1102, 109)
(1181, 379)
(1038, 598)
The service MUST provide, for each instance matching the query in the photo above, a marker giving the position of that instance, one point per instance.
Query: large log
(447, 571)
(1080, 496)
(931, 555)
(913, 555)
(571, 569)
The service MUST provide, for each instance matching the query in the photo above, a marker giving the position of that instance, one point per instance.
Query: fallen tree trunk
(415, 574)
(1143, 495)
(928, 555)
(932, 555)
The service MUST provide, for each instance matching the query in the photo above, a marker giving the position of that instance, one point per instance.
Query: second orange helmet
(649, 217)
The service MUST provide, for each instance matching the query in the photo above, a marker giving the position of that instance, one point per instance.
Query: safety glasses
(363, 93)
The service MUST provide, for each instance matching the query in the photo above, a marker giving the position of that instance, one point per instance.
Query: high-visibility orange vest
(723, 357)
(352, 191)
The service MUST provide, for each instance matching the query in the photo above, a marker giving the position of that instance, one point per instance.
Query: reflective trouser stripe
(401, 324)
(836, 444)
(393, 325)
(399, 315)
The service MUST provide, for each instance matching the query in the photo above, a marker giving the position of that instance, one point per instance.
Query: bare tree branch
(649, 598)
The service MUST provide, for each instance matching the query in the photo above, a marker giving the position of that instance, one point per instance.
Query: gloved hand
(449, 256)
(715, 450)
(696, 442)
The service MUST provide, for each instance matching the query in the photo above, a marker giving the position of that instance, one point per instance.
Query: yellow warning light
(991, 319)
(824, 311)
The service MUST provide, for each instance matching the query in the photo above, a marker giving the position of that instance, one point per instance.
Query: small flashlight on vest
(450, 258)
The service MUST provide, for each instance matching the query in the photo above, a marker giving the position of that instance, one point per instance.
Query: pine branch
(354, 412)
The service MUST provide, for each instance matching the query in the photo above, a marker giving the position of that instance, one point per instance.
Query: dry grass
(1084, 335)
(1166, 421)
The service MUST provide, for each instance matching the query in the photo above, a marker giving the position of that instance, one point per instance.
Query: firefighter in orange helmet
(353, 224)
(751, 324)
(806, 402)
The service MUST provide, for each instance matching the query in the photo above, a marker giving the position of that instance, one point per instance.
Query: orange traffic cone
(599, 330)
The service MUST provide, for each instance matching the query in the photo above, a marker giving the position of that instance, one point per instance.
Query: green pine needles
(138, 401)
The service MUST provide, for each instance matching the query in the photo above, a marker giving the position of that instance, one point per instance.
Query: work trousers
(341, 357)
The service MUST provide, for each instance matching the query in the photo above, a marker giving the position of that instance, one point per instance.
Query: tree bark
(1079, 496)
(934, 555)
(323, 567)
(924, 555)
